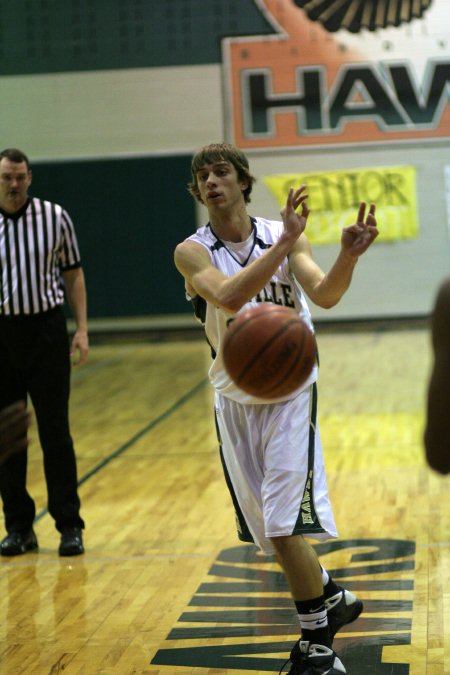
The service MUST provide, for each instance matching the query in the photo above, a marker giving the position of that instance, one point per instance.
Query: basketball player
(437, 431)
(271, 451)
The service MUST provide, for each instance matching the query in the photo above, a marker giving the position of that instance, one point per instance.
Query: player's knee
(286, 542)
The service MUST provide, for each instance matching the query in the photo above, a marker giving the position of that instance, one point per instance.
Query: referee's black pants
(35, 360)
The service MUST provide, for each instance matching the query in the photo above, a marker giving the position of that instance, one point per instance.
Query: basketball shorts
(273, 463)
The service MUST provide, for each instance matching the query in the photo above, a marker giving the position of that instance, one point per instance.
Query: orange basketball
(269, 351)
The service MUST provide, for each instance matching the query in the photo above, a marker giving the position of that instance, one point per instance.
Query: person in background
(39, 266)
(437, 428)
(271, 450)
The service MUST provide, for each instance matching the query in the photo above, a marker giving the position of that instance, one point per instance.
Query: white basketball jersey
(282, 289)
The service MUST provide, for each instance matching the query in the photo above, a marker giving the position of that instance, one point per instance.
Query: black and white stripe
(36, 245)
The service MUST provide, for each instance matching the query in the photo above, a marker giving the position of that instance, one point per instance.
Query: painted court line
(151, 425)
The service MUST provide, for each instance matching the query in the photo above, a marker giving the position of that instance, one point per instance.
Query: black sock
(329, 587)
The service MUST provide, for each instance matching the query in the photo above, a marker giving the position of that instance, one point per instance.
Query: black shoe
(312, 659)
(17, 543)
(71, 541)
(342, 608)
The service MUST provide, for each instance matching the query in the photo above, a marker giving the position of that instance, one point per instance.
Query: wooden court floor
(165, 586)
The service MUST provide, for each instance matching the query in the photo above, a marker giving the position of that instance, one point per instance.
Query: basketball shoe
(312, 659)
(342, 608)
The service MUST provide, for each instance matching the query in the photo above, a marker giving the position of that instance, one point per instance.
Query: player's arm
(231, 293)
(437, 430)
(325, 290)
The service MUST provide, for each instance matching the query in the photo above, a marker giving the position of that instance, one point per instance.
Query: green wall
(48, 36)
(129, 215)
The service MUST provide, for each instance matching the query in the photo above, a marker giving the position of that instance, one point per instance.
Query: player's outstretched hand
(357, 238)
(14, 422)
(295, 223)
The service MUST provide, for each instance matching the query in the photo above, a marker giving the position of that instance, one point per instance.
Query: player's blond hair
(221, 152)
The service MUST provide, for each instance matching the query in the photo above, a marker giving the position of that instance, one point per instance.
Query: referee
(39, 264)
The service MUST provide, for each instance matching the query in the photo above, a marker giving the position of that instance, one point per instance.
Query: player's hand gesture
(295, 223)
(357, 238)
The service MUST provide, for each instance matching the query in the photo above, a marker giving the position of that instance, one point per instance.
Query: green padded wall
(129, 215)
(43, 36)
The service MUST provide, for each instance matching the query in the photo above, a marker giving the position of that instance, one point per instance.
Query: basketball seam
(263, 348)
(252, 318)
(276, 384)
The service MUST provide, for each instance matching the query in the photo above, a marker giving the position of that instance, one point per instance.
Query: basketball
(269, 351)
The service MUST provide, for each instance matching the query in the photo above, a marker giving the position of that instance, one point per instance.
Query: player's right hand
(295, 223)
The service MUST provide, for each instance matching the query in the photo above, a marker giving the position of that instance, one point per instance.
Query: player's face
(15, 179)
(220, 186)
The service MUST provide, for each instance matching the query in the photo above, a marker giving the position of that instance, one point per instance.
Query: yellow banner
(334, 198)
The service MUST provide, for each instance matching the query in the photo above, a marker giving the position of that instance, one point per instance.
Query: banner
(334, 198)
(360, 72)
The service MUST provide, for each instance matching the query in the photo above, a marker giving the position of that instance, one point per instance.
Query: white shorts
(273, 463)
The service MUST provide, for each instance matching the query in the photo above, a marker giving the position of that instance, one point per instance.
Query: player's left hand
(357, 238)
(79, 348)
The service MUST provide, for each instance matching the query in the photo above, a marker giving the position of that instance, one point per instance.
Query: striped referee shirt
(37, 244)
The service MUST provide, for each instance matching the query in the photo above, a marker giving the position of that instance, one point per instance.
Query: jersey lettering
(280, 294)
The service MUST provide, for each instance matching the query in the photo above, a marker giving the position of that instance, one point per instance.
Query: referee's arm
(76, 297)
